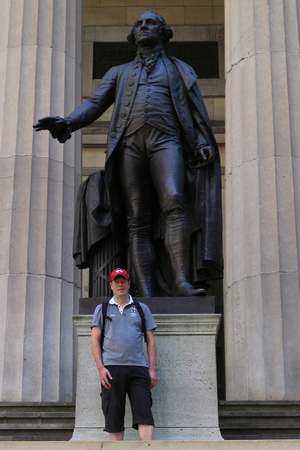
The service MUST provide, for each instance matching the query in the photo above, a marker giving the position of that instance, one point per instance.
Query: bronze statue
(162, 167)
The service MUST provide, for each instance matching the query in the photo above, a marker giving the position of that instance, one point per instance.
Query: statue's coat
(203, 184)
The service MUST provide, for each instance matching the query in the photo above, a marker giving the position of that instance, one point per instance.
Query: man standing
(162, 163)
(120, 361)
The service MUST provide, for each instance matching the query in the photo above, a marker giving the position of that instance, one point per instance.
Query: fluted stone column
(262, 325)
(39, 76)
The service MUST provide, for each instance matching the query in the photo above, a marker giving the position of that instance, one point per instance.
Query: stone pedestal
(185, 399)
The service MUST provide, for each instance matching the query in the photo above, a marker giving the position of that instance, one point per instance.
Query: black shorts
(131, 380)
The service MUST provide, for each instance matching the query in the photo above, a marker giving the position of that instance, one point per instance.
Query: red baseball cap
(117, 272)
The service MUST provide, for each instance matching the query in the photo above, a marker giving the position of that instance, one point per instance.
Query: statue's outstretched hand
(58, 127)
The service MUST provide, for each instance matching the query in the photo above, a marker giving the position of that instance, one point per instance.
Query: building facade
(47, 50)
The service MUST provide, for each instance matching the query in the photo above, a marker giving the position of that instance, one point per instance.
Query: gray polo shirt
(123, 336)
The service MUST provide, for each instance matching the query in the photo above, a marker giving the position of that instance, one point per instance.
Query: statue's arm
(205, 146)
(90, 110)
(97, 103)
(206, 150)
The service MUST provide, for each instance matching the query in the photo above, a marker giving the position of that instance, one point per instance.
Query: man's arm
(151, 349)
(104, 374)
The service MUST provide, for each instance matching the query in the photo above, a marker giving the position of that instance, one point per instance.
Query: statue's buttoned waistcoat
(119, 86)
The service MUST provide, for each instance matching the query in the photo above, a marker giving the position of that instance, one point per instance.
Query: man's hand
(153, 378)
(105, 377)
(104, 373)
(58, 127)
(205, 155)
(151, 349)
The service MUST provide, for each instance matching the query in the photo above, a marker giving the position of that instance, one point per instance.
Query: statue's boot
(177, 246)
(186, 289)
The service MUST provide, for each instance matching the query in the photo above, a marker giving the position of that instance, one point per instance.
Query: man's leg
(117, 436)
(141, 401)
(113, 403)
(146, 432)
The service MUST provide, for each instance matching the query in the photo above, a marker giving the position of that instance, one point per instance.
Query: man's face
(120, 286)
(147, 30)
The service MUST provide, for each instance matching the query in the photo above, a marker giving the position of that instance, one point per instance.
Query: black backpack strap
(104, 314)
(141, 313)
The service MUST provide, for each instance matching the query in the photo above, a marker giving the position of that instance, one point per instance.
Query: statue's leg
(135, 181)
(167, 172)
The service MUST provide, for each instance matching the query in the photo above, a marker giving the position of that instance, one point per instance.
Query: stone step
(259, 419)
(155, 445)
(16, 415)
(238, 421)
(36, 421)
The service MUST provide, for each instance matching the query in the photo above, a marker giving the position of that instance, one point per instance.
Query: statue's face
(147, 30)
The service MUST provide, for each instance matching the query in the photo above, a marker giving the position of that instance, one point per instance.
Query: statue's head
(152, 20)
